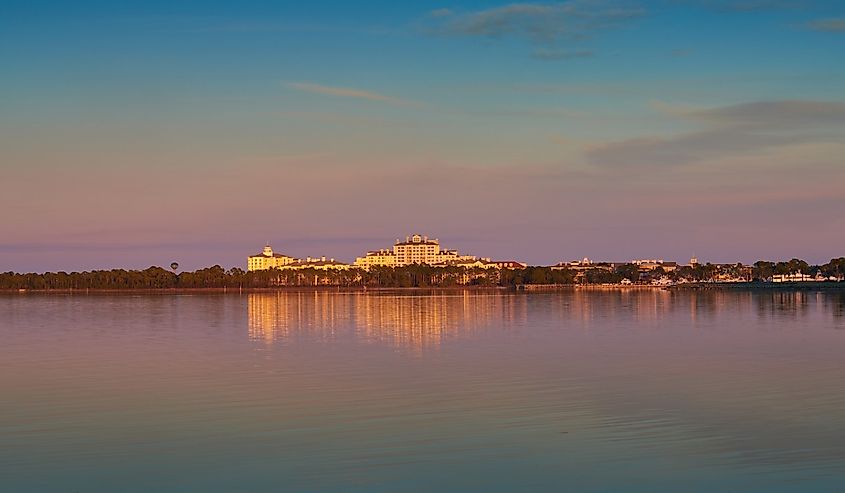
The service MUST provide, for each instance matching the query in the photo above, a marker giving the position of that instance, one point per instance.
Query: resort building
(582, 265)
(652, 264)
(476, 263)
(318, 263)
(509, 264)
(416, 249)
(268, 259)
(377, 258)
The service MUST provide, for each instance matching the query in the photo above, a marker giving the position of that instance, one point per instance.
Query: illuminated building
(268, 259)
(416, 249)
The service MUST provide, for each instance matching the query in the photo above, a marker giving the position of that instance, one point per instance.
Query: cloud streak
(552, 55)
(729, 131)
(770, 114)
(346, 92)
(547, 24)
(833, 25)
(750, 5)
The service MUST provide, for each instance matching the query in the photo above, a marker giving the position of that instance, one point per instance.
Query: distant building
(268, 259)
(318, 263)
(793, 277)
(653, 264)
(478, 263)
(416, 249)
(584, 264)
(509, 264)
(377, 258)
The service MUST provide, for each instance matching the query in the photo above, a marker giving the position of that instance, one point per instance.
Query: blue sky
(138, 133)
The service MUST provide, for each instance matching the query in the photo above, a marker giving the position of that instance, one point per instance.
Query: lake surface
(587, 391)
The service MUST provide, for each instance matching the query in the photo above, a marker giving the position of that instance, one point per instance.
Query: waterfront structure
(509, 264)
(476, 263)
(317, 263)
(416, 249)
(652, 264)
(793, 277)
(268, 259)
(376, 258)
(584, 264)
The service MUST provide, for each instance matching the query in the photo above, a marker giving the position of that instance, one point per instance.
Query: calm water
(576, 391)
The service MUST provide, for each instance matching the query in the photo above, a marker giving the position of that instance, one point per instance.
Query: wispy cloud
(749, 5)
(346, 92)
(733, 130)
(548, 24)
(768, 114)
(828, 25)
(561, 54)
(680, 52)
(441, 13)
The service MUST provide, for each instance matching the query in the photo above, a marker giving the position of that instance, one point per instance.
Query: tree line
(388, 277)
(155, 277)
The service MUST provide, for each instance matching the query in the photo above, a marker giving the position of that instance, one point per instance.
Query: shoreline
(239, 290)
(764, 286)
(526, 288)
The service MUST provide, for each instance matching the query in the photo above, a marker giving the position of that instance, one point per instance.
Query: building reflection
(655, 307)
(786, 304)
(424, 320)
(292, 315)
(835, 304)
(421, 322)
(406, 321)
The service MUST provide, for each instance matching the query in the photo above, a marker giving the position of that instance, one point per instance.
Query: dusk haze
(588, 246)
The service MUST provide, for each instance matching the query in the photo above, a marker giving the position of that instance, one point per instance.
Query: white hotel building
(268, 259)
(416, 249)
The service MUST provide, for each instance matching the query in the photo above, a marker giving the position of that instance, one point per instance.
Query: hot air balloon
(174, 266)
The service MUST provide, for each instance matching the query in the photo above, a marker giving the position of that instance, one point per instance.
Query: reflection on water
(404, 321)
(419, 321)
(579, 390)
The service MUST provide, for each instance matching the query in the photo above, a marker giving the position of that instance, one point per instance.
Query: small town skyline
(412, 250)
(231, 254)
(421, 250)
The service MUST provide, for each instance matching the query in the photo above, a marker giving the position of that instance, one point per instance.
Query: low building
(509, 264)
(654, 264)
(377, 258)
(317, 263)
(478, 263)
(268, 259)
(582, 265)
(792, 277)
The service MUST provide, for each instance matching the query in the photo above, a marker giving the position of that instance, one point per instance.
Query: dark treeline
(410, 276)
(217, 277)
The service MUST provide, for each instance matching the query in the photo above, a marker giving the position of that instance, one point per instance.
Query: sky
(140, 133)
